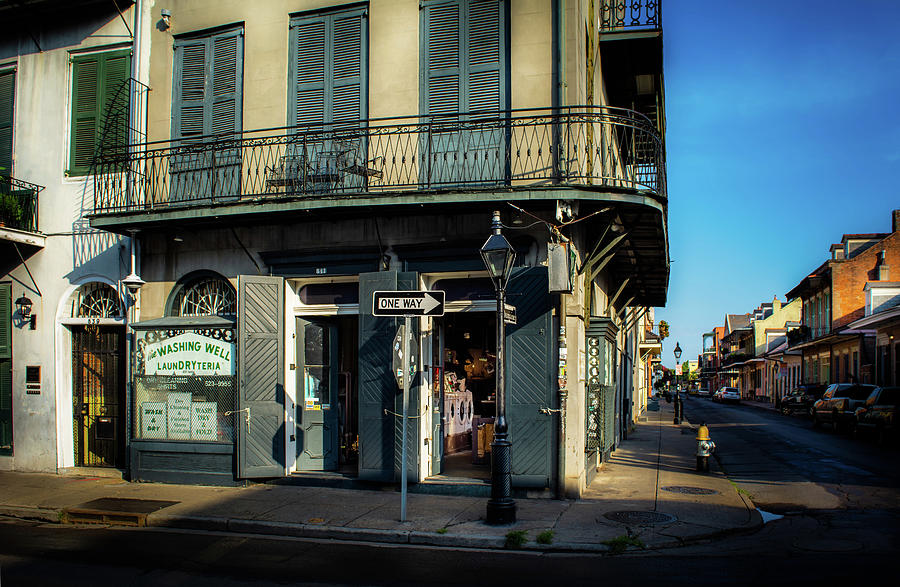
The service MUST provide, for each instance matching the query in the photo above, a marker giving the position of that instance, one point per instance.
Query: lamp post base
(501, 509)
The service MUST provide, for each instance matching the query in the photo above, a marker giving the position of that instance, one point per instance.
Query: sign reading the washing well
(189, 353)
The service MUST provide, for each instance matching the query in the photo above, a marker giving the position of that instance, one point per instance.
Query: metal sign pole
(406, 378)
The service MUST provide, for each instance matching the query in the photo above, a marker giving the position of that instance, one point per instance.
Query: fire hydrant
(705, 448)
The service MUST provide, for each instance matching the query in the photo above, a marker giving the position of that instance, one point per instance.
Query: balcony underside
(642, 258)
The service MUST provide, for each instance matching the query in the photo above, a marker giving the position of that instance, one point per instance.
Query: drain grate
(640, 518)
(689, 490)
(117, 511)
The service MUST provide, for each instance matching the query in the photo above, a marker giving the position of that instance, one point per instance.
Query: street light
(498, 256)
(677, 352)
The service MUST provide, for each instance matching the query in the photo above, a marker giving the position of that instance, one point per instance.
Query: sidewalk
(648, 491)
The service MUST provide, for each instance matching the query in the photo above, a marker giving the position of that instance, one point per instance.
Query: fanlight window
(210, 296)
(96, 300)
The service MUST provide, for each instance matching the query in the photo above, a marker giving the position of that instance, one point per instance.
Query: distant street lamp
(677, 353)
(498, 256)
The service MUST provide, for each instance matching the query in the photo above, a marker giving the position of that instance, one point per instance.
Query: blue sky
(783, 134)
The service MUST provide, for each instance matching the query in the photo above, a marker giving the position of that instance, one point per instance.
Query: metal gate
(98, 373)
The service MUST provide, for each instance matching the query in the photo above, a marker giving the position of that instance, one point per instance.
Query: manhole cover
(639, 518)
(689, 490)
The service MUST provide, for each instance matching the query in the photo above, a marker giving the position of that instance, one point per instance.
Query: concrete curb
(31, 513)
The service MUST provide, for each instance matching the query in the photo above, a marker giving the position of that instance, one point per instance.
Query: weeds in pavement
(441, 530)
(545, 537)
(516, 538)
(619, 544)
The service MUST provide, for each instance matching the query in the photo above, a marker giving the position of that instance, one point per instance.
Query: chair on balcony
(335, 168)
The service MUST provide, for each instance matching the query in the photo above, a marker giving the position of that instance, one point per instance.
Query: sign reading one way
(408, 303)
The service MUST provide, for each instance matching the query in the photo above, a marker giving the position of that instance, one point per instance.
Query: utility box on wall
(561, 267)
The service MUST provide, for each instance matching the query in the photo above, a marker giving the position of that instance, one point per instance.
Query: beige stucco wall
(789, 312)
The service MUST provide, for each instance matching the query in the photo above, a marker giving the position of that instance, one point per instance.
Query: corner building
(302, 155)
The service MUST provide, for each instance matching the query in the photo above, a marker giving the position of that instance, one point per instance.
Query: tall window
(7, 98)
(328, 68)
(99, 106)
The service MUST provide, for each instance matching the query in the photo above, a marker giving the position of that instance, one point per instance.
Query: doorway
(98, 374)
(327, 427)
(464, 395)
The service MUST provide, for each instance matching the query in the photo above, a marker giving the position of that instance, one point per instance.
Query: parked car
(879, 413)
(727, 394)
(703, 392)
(838, 404)
(801, 398)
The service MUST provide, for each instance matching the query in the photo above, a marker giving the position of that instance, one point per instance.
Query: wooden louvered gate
(99, 395)
(530, 382)
(259, 420)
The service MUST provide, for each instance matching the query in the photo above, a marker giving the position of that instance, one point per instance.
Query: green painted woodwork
(96, 79)
(7, 110)
(6, 420)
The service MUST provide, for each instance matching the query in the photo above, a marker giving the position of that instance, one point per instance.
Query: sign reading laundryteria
(189, 353)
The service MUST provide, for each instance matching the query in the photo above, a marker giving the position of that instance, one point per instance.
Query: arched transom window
(206, 296)
(96, 300)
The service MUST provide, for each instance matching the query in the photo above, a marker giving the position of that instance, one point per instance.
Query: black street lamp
(677, 353)
(498, 256)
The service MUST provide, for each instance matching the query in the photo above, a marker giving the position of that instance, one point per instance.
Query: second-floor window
(100, 97)
(7, 98)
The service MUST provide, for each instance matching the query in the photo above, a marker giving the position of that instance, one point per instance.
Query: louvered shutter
(115, 96)
(328, 68)
(225, 98)
(5, 321)
(7, 98)
(97, 103)
(442, 57)
(85, 111)
(190, 88)
(346, 61)
(484, 56)
(309, 74)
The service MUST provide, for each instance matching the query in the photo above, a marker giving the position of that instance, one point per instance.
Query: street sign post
(408, 303)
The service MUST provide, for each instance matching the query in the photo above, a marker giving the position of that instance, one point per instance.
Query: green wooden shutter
(5, 321)
(328, 68)
(308, 96)
(443, 59)
(6, 431)
(226, 86)
(7, 99)
(96, 82)
(190, 88)
(485, 60)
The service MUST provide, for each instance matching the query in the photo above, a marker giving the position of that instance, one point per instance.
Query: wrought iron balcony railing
(19, 204)
(600, 147)
(619, 15)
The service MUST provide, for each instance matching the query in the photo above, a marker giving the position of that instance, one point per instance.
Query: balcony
(19, 204)
(630, 15)
(387, 161)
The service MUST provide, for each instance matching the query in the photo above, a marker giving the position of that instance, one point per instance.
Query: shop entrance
(327, 429)
(465, 395)
(99, 396)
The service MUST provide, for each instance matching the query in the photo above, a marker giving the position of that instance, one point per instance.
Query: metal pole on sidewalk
(406, 378)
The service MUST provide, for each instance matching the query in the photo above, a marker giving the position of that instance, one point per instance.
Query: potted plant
(10, 208)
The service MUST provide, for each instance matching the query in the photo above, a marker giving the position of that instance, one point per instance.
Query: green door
(318, 408)
(6, 431)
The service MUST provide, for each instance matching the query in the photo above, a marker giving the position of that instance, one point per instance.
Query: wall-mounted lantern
(23, 305)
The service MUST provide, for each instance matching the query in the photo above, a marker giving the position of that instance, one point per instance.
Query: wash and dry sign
(189, 353)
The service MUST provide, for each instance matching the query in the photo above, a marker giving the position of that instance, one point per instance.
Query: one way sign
(408, 303)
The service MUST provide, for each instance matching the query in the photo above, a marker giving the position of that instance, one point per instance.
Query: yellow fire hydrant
(705, 448)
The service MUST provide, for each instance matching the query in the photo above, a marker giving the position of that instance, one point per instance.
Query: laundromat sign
(189, 353)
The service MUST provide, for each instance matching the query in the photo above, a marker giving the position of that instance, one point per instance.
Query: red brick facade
(849, 277)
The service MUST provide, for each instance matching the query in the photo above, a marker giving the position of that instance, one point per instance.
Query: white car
(728, 394)
(704, 392)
